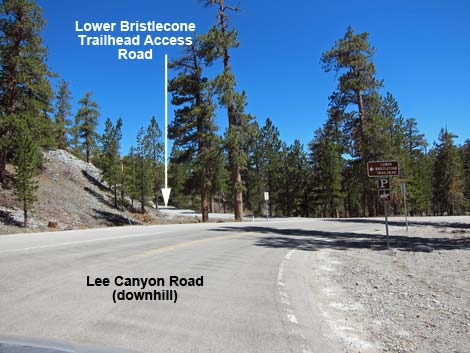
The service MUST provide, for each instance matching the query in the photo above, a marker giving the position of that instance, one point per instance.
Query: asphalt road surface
(256, 294)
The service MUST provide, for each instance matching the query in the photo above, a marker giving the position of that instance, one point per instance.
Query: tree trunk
(25, 213)
(3, 164)
(155, 197)
(238, 196)
(204, 205)
(258, 189)
(366, 198)
(236, 177)
(115, 197)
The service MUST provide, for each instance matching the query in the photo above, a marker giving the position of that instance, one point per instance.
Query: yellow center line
(189, 243)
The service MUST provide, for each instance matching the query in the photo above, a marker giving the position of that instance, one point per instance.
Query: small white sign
(266, 196)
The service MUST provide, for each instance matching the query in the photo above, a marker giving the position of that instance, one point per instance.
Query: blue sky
(422, 55)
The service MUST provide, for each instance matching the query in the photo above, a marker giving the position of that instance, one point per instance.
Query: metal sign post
(386, 223)
(383, 170)
(266, 199)
(384, 196)
(403, 190)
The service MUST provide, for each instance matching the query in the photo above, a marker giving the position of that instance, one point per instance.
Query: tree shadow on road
(313, 240)
(411, 223)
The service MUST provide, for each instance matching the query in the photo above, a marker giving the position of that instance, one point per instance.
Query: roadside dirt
(412, 298)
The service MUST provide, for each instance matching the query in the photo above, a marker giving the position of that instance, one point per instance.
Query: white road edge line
(82, 242)
(286, 302)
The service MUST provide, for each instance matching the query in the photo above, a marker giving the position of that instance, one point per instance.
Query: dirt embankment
(70, 196)
(412, 298)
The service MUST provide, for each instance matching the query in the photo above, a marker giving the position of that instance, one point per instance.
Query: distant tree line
(212, 171)
(328, 178)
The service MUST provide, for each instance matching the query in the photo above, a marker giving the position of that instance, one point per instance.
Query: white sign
(266, 196)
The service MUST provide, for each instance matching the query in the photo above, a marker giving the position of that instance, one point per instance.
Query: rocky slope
(70, 196)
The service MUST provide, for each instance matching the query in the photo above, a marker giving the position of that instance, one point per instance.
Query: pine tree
(44, 129)
(327, 166)
(351, 57)
(24, 86)
(143, 171)
(216, 45)
(417, 165)
(254, 174)
(271, 150)
(294, 175)
(129, 184)
(26, 160)
(154, 149)
(193, 128)
(110, 160)
(180, 177)
(62, 114)
(447, 181)
(85, 125)
(384, 135)
(465, 157)
(353, 53)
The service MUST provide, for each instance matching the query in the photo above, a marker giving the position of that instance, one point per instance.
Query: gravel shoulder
(414, 297)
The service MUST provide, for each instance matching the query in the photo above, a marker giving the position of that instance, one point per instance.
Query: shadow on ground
(98, 196)
(411, 223)
(94, 181)
(113, 218)
(7, 219)
(313, 240)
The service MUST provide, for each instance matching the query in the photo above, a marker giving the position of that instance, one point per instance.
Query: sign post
(384, 196)
(403, 190)
(266, 199)
(386, 223)
(383, 170)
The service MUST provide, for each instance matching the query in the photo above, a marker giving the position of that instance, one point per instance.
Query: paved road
(255, 297)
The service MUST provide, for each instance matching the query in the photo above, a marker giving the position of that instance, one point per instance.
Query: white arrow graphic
(166, 190)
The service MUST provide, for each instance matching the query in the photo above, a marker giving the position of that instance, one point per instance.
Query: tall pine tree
(142, 183)
(447, 181)
(351, 57)
(110, 159)
(86, 121)
(465, 156)
(154, 149)
(62, 114)
(327, 167)
(26, 160)
(193, 128)
(216, 45)
(25, 89)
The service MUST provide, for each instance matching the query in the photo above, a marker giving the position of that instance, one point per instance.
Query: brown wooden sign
(383, 168)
